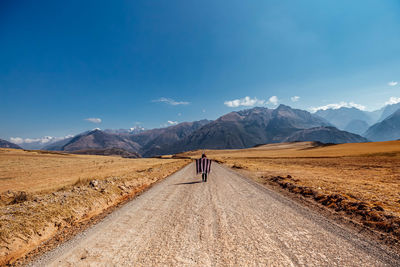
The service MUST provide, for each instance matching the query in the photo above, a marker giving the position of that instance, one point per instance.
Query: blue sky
(150, 62)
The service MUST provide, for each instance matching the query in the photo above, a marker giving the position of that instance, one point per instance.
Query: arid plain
(47, 195)
(358, 181)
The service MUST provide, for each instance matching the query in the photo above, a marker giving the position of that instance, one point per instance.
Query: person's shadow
(195, 182)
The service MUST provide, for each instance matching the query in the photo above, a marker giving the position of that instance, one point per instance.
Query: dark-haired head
(203, 156)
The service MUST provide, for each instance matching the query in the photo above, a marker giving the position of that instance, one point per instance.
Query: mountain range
(372, 125)
(241, 129)
(6, 144)
(388, 129)
(343, 117)
(248, 128)
(97, 139)
(388, 110)
(146, 143)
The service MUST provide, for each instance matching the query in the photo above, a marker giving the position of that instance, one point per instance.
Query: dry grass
(33, 171)
(360, 180)
(306, 149)
(42, 194)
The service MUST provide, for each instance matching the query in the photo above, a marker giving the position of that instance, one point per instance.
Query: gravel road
(228, 221)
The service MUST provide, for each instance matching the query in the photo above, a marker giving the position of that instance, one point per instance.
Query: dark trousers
(204, 177)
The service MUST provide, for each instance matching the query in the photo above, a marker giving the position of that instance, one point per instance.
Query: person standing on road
(203, 166)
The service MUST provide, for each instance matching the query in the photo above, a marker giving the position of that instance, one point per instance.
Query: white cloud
(338, 105)
(295, 98)
(246, 101)
(168, 123)
(41, 140)
(170, 101)
(16, 140)
(94, 120)
(392, 83)
(136, 128)
(393, 100)
(273, 100)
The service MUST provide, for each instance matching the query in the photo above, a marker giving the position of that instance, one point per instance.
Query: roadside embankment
(30, 218)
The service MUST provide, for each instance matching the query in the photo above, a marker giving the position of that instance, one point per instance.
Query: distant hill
(341, 117)
(58, 145)
(143, 142)
(355, 120)
(6, 144)
(235, 129)
(374, 115)
(250, 127)
(286, 120)
(238, 129)
(388, 110)
(388, 129)
(39, 143)
(325, 135)
(163, 138)
(98, 139)
(357, 127)
(108, 152)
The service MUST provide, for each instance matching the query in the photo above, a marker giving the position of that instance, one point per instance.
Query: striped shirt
(203, 165)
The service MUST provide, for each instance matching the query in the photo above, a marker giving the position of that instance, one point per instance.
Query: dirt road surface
(228, 221)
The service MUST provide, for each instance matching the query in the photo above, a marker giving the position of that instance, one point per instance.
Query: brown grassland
(359, 181)
(43, 194)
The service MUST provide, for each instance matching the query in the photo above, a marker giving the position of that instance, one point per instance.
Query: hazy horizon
(45, 140)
